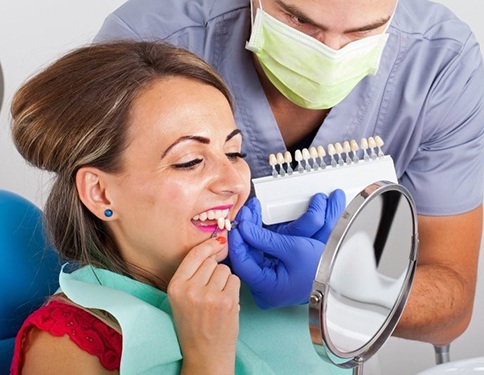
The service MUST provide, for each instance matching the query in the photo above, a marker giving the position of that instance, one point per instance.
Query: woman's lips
(213, 220)
(208, 226)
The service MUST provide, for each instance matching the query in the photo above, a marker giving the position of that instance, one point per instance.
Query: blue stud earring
(108, 213)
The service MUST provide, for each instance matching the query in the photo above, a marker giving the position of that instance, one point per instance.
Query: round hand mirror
(364, 276)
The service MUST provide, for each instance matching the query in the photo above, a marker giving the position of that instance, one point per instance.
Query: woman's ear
(91, 187)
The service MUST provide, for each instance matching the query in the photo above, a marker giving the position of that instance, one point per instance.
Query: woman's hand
(204, 296)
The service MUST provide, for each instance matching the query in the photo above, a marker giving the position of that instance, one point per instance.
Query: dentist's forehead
(336, 15)
(319, 8)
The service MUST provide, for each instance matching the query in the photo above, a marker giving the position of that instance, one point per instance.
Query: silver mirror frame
(318, 303)
(2, 85)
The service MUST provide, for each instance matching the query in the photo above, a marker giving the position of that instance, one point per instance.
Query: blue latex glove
(319, 219)
(278, 269)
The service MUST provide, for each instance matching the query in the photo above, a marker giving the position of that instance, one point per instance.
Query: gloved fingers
(309, 222)
(244, 214)
(277, 245)
(334, 209)
(336, 205)
(243, 263)
(255, 209)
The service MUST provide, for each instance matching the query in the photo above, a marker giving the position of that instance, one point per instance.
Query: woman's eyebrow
(185, 138)
(233, 134)
(199, 139)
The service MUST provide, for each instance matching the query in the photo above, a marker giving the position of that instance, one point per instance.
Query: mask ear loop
(252, 10)
(391, 18)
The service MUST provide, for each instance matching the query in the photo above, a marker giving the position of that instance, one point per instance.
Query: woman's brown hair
(76, 113)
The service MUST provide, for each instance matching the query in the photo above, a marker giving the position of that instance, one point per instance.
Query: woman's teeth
(211, 215)
(219, 215)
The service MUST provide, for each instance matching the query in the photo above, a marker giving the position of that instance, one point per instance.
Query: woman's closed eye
(188, 165)
(191, 164)
(235, 155)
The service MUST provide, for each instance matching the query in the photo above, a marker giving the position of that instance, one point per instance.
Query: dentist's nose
(332, 40)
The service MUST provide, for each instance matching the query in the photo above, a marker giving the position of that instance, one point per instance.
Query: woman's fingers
(203, 254)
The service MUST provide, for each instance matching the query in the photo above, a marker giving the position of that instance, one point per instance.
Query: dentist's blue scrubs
(426, 102)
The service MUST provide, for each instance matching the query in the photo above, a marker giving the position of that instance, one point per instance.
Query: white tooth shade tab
(354, 145)
(364, 147)
(280, 161)
(221, 223)
(279, 158)
(298, 156)
(228, 225)
(273, 163)
(379, 144)
(288, 161)
(287, 157)
(224, 224)
(339, 151)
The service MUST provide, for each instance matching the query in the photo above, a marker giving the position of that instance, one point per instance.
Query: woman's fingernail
(221, 240)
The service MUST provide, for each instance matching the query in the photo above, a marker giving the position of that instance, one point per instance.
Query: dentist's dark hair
(76, 113)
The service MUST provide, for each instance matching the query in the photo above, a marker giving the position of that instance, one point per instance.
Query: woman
(149, 178)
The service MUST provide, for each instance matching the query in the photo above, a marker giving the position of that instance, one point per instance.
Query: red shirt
(89, 333)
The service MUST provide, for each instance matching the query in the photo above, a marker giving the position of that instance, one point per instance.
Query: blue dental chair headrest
(29, 268)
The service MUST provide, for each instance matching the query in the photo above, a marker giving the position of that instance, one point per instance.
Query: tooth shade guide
(286, 198)
(223, 224)
(312, 159)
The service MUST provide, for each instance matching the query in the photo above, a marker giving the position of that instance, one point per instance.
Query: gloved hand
(319, 219)
(278, 269)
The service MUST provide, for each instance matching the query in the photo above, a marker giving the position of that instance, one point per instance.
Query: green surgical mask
(306, 71)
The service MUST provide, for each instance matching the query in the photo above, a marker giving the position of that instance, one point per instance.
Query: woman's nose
(230, 177)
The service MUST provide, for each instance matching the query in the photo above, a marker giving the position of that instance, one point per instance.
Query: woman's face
(183, 162)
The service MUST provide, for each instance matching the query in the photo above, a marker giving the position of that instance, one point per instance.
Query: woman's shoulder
(60, 329)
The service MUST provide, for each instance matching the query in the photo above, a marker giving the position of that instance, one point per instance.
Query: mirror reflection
(369, 271)
(365, 274)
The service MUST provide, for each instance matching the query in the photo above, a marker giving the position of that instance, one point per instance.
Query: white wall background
(33, 33)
